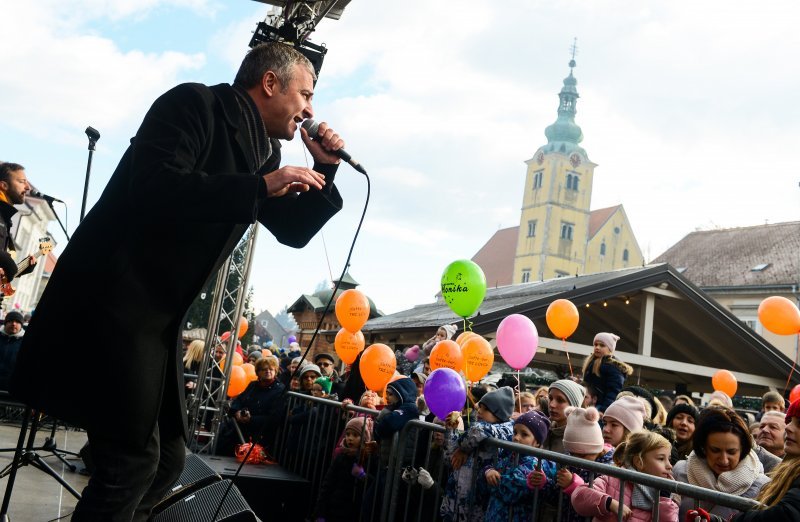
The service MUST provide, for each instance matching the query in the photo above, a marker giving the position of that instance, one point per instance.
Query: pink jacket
(591, 502)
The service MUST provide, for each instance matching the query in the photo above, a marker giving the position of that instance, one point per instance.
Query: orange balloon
(352, 310)
(794, 394)
(238, 381)
(447, 354)
(725, 382)
(224, 337)
(348, 345)
(250, 372)
(779, 315)
(242, 327)
(377, 366)
(237, 361)
(562, 318)
(478, 357)
(463, 336)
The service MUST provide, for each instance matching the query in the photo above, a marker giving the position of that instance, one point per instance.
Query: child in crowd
(526, 401)
(369, 399)
(401, 407)
(604, 372)
(407, 359)
(562, 394)
(339, 496)
(772, 401)
(468, 453)
(419, 379)
(321, 387)
(510, 496)
(583, 438)
(624, 416)
(682, 419)
(645, 452)
(443, 333)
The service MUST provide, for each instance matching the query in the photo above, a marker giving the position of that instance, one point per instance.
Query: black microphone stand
(25, 453)
(93, 136)
(49, 201)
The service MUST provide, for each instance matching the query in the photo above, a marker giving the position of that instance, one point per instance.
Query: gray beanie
(500, 402)
(574, 392)
(309, 368)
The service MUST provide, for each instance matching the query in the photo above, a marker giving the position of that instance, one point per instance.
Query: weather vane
(574, 50)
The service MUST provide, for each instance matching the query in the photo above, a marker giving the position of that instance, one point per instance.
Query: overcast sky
(689, 109)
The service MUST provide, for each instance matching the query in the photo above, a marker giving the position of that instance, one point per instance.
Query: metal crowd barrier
(306, 442)
(624, 475)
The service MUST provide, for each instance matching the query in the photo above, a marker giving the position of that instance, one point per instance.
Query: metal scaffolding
(210, 402)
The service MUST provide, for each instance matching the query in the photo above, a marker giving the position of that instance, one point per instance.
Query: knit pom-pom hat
(583, 435)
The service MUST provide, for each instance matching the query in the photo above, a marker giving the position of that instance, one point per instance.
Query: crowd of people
(594, 417)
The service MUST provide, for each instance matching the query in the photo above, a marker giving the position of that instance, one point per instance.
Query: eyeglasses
(325, 365)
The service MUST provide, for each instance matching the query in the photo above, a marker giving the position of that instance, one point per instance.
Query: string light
(605, 304)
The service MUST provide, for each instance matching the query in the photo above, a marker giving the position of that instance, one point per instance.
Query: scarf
(643, 497)
(256, 130)
(733, 482)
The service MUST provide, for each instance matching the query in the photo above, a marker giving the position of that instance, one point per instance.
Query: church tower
(554, 222)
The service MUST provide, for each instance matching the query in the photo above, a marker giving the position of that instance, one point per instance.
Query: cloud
(78, 75)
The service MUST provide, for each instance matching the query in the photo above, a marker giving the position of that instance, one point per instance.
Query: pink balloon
(517, 340)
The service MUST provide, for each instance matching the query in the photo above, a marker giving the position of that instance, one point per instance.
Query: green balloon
(463, 287)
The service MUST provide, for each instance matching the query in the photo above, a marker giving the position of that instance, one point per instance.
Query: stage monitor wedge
(202, 504)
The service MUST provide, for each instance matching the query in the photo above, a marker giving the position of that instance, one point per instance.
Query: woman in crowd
(682, 419)
(722, 460)
(258, 410)
(780, 499)
(191, 363)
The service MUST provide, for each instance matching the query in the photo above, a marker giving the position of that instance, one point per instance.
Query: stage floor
(37, 496)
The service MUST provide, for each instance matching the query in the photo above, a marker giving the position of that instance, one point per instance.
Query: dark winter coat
(266, 407)
(180, 199)
(788, 508)
(336, 502)
(9, 349)
(608, 384)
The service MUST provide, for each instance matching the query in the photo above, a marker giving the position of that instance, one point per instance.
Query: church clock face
(540, 158)
(575, 160)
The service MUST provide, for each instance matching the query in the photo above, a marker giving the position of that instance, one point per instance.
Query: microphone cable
(308, 348)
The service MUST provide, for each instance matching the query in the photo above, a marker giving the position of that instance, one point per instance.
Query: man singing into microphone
(13, 188)
(202, 167)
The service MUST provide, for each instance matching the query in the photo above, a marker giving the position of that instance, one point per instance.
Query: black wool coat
(180, 199)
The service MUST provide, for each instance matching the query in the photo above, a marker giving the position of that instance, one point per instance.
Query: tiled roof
(714, 258)
(598, 217)
(496, 257)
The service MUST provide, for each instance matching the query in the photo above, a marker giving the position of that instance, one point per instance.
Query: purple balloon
(445, 392)
(292, 339)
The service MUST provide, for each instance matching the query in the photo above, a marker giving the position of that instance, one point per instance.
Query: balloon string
(519, 393)
(564, 341)
(467, 324)
(794, 363)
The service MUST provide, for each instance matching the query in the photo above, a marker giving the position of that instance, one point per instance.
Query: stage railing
(313, 427)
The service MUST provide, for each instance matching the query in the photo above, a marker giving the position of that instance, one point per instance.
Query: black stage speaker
(196, 475)
(201, 505)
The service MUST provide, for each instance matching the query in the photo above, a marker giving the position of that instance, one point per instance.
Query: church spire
(565, 129)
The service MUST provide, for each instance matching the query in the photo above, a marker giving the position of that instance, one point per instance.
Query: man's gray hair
(277, 57)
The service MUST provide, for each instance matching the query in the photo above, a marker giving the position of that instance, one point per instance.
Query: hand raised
(294, 179)
(325, 142)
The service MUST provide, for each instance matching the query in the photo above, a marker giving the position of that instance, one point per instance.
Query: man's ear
(270, 83)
